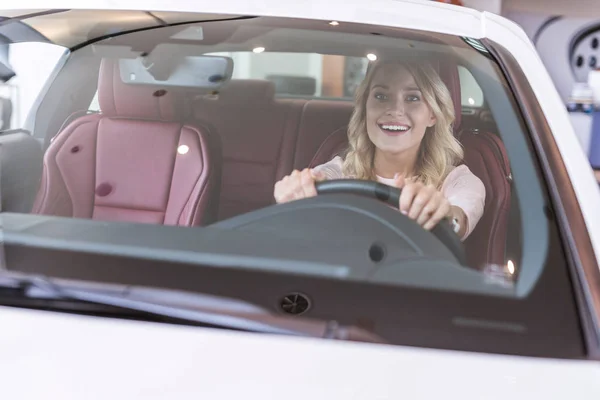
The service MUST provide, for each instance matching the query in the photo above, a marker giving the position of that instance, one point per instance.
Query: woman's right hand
(297, 185)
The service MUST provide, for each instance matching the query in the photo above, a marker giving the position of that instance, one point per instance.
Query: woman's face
(397, 114)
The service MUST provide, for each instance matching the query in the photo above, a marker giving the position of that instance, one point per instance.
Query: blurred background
(566, 35)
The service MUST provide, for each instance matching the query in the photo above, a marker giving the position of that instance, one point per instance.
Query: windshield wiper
(253, 319)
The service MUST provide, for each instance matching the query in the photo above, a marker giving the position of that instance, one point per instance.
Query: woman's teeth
(398, 128)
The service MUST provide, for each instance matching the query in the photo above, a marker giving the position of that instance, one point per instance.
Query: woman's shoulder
(460, 171)
(337, 161)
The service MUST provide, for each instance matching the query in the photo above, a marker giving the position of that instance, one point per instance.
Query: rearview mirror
(203, 72)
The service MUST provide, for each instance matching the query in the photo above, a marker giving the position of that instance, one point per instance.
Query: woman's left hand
(422, 203)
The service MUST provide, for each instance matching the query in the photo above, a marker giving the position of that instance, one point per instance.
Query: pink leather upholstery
(124, 164)
(319, 119)
(257, 132)
(117, 99)
(485, 155)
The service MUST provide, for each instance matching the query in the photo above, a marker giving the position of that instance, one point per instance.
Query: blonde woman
(400, 134)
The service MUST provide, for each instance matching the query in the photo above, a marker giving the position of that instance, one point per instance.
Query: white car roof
(414, 14)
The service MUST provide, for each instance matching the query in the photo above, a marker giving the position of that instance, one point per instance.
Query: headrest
(298, 85)
(118, 99)
(247, 91)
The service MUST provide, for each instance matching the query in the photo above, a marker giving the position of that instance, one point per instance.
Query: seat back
(319, 119)
(258, 135)
(135, 161)
(485, 156)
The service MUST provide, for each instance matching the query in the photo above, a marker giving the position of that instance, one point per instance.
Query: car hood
(72, 357)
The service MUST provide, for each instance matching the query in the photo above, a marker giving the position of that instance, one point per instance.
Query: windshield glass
(212, 143)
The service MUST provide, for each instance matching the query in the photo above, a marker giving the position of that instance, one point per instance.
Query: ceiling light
(183, 149)
(334, 23)
(371, 57)
(258, 49)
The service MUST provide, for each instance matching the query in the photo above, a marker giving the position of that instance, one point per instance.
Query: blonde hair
(439, 151)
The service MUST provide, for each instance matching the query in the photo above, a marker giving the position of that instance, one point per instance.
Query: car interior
(188, 157)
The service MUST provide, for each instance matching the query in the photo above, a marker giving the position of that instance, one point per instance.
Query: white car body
(45, 354)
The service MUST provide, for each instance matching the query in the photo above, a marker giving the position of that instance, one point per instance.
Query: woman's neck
(387, 165)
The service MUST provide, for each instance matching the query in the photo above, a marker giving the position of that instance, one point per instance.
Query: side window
(33, 64)
(471, 94)
(94, 105)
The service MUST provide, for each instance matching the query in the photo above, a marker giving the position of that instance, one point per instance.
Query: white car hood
(59, 356)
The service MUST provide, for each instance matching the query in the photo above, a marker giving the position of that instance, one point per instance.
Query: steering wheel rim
(391, 195)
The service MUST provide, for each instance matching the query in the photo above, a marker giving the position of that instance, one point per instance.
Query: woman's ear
(432, 121)
(432, 118)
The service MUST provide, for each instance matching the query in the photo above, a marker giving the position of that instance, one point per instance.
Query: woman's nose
(396, 106)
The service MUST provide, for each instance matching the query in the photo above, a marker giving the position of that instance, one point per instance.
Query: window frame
(580, 255)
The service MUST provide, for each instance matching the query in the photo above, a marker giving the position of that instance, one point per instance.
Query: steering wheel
(391, 195)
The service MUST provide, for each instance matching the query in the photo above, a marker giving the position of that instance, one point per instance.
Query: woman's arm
(458, 215)
(466, 194)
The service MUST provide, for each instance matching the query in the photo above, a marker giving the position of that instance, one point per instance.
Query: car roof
(423, 15)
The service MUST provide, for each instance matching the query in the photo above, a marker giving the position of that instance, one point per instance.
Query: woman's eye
(412, 98)
(380, 96)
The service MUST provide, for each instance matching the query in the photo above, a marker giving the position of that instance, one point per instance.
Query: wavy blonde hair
(439, 152)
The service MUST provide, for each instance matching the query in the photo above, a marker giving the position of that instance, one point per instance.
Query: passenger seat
(136, 161)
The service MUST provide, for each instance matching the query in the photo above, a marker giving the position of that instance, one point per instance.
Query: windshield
(198, 155)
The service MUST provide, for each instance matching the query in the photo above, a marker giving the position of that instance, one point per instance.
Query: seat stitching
(130, 208)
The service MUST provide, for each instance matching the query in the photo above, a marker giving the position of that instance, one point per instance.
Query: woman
(401, 134)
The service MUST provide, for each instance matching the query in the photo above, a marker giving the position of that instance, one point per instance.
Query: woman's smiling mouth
(394, 129)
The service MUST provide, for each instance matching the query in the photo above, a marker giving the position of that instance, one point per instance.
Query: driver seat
(485, 155)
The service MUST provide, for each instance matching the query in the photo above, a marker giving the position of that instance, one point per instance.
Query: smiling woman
(400, 134)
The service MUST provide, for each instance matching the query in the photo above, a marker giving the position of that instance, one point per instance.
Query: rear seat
(319, 119)
(264, 139)
(255, 130)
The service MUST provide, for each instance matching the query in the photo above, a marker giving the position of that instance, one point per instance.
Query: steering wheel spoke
(388, 194)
